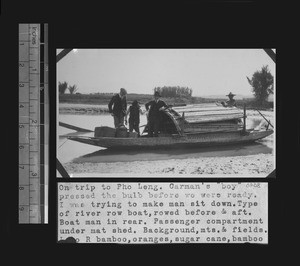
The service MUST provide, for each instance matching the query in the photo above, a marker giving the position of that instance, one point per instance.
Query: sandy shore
(259, 165)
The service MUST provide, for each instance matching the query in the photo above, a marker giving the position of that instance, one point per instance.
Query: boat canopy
(204, 113)
(202, 118)
(199, 118)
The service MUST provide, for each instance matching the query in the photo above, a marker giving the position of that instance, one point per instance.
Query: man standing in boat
(118, 106)
(154, 115)
(231, 102)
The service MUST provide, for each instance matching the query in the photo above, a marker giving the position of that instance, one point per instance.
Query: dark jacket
(231, 103)
(134, 112)
(154, 112)
(117, 106)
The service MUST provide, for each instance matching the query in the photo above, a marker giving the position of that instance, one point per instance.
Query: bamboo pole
(269, 123)
(79, 129)
(244, 126)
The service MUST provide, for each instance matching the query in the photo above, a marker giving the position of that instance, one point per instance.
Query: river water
(71, 151)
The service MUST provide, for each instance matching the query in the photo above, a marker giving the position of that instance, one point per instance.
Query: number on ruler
(29, 112)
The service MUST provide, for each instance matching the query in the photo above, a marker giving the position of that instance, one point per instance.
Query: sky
(206, 71)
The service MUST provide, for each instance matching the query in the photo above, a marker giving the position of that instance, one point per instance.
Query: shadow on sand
(119, 155)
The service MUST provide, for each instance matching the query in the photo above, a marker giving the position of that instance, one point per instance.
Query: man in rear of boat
(118, 107)
(154, 115)
(231, 102)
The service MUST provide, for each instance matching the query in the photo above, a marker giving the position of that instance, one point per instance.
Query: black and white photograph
(166, 112)
(148, 130)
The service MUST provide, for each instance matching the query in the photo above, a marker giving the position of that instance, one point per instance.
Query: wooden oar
(79, 129)
(269, 123)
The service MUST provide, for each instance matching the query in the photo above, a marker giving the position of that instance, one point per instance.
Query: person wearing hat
(231, 102)
(154, 115)
(118, 107)
(134, 112)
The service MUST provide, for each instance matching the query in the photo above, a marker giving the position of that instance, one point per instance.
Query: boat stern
(262, 133)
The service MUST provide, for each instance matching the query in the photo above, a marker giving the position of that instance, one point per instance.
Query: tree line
(174, 91)
(262, 83)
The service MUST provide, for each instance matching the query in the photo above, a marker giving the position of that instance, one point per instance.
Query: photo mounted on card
(166, 112)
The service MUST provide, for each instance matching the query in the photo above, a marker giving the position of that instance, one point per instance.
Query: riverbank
(82, 109)
(104, 98)
(96, 109)
(95, 104)
(259, 165)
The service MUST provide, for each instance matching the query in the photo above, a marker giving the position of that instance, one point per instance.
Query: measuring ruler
(33, 123)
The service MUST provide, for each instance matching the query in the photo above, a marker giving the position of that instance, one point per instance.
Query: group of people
(118, 108)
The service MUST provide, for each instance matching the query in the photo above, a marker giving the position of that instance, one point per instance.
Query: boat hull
(199, 139)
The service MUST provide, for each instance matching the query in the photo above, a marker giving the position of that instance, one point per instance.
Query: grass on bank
(103, 99)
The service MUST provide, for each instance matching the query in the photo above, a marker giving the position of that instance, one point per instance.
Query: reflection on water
(78, 152)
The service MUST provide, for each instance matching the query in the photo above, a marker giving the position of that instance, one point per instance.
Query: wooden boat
(195, 125)
(199, 139)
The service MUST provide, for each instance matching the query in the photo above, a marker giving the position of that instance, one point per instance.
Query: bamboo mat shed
(206, 118)
(204, 113)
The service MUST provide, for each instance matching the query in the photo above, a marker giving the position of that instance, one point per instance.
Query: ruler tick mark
(36, 53)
